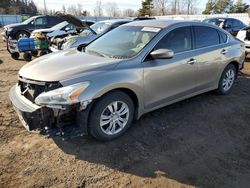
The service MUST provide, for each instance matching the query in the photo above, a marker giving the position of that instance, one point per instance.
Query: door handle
(224, 52)
(191, 61)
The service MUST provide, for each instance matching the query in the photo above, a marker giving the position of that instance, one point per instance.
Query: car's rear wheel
(34, 53)
(27, 56)
(111, 116)
(227, 80)
(15, 55)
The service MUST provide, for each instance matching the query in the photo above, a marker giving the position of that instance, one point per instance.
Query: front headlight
(62, 96)
(9, 29)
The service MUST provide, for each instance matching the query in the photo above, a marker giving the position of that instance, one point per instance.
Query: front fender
(104, 82)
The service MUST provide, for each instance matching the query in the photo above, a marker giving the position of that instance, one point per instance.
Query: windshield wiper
(119, 57)
(97, 53)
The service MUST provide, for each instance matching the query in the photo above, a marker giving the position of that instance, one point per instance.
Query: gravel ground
(200, 142)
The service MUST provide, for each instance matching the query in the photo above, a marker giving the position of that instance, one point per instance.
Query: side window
(70, 26)
(178, 40)
(41, 21)
(206, 36)
(223, 37)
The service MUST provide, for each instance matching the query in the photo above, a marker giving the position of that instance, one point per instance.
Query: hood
(73, 20)
(49, 30)
(64, 65)
(14, 25)
(84, 40)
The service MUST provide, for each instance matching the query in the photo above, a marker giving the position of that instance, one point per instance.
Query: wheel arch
(131, 93)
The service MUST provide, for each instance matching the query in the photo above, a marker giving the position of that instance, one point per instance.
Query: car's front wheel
(22, 34)
(227, 80)
(111, 116)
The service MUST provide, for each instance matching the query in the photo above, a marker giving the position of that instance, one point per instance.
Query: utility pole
(45, 9)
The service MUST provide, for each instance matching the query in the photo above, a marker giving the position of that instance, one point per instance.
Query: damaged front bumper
(47, 120)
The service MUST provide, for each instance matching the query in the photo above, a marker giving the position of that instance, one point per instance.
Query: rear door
(211, 51)
(166, 80)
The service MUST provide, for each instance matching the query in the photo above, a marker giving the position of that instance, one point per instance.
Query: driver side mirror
(162, 54)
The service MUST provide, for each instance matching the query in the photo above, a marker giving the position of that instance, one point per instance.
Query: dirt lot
(201, 142)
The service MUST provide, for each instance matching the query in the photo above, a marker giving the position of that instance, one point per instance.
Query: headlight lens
(10, 29)
(65, 95)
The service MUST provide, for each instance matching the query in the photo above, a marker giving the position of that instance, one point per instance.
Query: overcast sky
(90, 4)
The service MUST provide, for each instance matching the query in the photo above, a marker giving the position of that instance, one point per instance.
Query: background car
(61, 29)
(24, 29)
(88, 35)
(244, 36)
(231, 25)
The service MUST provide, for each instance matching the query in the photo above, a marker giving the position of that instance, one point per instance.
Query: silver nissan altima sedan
(136, 68)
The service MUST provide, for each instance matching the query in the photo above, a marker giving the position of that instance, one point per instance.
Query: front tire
(22, 34)
(227, 80)
(27, 56)
(111, 116)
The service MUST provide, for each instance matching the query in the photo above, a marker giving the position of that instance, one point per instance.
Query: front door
(166, 80)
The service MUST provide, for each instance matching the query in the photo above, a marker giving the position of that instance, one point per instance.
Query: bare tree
(191, 6)
(98, 11)
(161, 5)
(72, 10)
(79, 9)
(111, 9)
(129, 13)
(63, 9)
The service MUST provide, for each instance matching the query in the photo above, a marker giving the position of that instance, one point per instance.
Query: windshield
(59, 26)
(29, 20)
(99, 28)
(214, 21)
(133, 40)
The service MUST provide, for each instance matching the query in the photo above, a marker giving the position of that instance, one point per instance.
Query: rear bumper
(32, 116)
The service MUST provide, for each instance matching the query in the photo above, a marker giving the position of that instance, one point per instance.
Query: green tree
(223, 6)
(4, 6)
(209, 7)
(147, 6)
(239, 7)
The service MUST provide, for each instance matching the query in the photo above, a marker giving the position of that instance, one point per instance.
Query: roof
(157, 23)
(224, 18)
(112, 21)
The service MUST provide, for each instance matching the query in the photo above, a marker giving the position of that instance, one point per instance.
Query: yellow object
(40, 35)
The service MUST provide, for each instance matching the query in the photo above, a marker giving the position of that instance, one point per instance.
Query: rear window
(206, 36)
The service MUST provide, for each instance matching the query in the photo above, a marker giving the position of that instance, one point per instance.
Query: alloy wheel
(114, 118)
(228, 79)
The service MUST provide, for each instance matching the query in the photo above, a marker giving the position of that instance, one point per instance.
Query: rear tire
(27, 56)
(111, 116)
(44, 52)
(15, 55)
(227, 80)
(34, 53)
